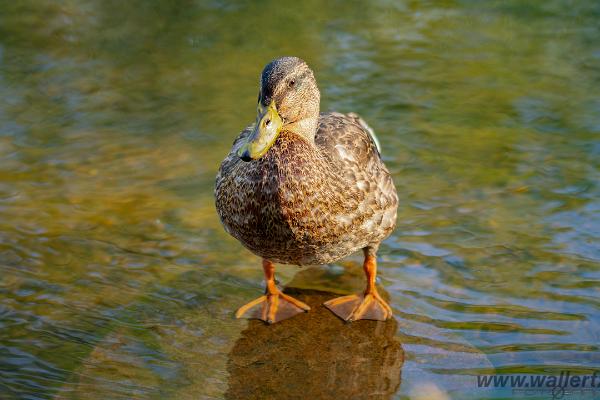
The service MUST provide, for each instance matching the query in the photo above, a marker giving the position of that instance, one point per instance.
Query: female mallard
(299, 187)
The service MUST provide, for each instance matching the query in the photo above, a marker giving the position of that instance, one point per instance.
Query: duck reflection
(315, 355)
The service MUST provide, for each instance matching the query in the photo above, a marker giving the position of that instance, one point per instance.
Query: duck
(303, 187)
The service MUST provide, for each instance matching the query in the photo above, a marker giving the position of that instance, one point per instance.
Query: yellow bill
(267, 127)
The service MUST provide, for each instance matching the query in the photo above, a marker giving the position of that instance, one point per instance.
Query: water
(118, 282)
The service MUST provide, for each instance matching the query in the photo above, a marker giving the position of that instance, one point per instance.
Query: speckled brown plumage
(320, 193)
(309, 203)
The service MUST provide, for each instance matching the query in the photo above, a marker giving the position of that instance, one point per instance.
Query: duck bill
(267, 127)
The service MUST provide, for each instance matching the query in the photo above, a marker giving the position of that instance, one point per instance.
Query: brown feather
(309, 202)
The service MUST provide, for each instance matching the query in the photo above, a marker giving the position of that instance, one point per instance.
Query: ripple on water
(118, 281)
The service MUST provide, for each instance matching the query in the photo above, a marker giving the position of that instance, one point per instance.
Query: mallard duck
(303, 187)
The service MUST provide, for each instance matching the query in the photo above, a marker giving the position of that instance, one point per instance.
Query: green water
(117, 280)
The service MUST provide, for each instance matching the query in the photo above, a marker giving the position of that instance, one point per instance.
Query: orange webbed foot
(272, 307)
(368, 305)
(364, 306)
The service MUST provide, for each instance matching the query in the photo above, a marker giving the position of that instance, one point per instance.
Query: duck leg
(274, 305)
(368, 305)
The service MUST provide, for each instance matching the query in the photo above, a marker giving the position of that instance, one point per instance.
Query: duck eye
(291, 83)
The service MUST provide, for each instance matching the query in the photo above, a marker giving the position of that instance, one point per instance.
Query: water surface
(117, 280)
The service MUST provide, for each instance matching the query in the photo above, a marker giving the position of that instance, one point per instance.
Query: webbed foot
(272, 307)
(364, 306)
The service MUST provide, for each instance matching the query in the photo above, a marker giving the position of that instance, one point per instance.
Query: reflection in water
(315, 356)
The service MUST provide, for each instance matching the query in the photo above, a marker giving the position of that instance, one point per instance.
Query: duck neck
(306, 127)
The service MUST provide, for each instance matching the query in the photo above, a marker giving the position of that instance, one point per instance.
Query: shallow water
(118, 281)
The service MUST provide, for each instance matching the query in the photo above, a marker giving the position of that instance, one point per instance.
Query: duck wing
(350, 144)
(351, 147)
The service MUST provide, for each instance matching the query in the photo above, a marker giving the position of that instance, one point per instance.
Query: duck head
(288, 100)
